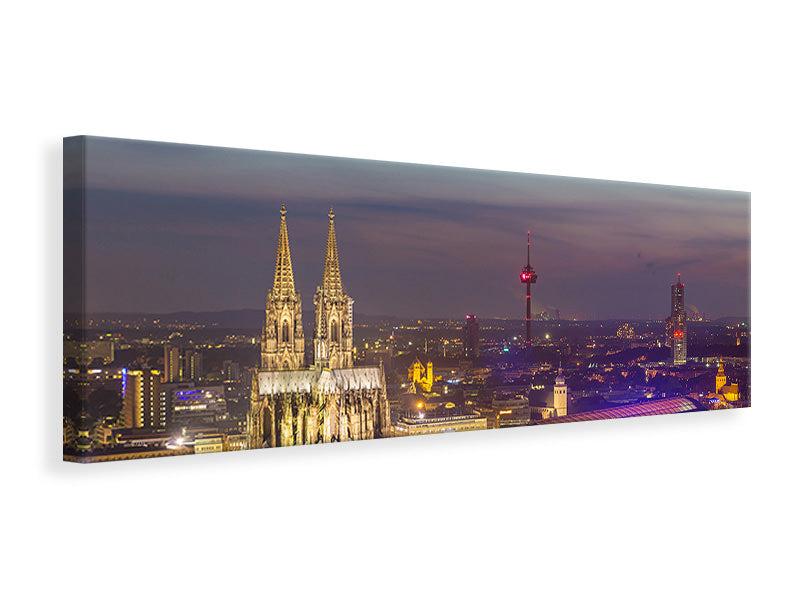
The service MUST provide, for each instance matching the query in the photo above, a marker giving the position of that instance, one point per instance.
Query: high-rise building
(471, 337)
(231, 370)
(172, 364)
(142, 402)
(192, 366)
(331, 400)
(676, 324)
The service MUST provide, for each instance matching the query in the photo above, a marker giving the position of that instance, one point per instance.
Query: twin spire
(331, 277)
(283, 286)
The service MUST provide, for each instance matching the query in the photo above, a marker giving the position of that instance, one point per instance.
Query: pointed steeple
(560, 377)
(331, 277)
(282, 341)
(283, 287)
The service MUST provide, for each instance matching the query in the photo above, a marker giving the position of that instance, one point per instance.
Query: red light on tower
(678, 333)
(528, 276)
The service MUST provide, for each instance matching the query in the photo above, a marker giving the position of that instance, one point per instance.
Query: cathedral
(330, 400)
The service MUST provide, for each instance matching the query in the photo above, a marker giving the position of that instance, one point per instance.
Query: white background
(688, 93)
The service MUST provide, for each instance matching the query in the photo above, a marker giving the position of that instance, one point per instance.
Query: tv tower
(528, 276)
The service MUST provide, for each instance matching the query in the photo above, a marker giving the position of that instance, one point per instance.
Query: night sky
(173, 227)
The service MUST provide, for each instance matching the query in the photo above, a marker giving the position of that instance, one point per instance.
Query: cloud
(414, 240)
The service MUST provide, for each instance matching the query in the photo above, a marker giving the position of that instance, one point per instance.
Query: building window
(285, 332)
(335, 332)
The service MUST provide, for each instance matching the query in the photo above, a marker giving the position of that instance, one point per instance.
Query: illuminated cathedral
(421, 377)
(330, 400)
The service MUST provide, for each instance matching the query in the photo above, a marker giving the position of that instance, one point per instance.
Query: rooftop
(666, 406)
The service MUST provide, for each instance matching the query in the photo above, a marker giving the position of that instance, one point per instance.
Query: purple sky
(177, 227)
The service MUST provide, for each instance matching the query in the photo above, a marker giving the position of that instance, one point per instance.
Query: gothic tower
(333, 322)
(282, 344)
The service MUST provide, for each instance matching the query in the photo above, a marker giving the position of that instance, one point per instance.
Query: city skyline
(140, 388)
(188, 228)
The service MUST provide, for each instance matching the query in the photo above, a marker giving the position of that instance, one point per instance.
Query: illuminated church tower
(721, 380)
(282, 343)
(560, 394)
(333, 322)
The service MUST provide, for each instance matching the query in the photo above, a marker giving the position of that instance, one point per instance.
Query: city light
(302, 384)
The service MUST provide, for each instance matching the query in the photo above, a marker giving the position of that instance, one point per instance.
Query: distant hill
(253, 318)
(731, 321)
(246, 318)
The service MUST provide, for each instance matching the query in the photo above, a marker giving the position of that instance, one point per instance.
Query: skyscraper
(142, 404)
(471, 337)
(676, 324)
(172, 364)
(192, 366)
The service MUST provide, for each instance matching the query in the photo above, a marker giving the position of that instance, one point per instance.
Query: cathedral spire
(333, 321)
(282, 341)
(283, 286)
(331, 277)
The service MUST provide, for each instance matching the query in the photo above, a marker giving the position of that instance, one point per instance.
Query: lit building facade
(192, 366)
(423, 425)
(728, 394)
(556, 405)
(331, 400)
(142, 403)
(231, 370)
(172, 364)
(512, 410)
(560, 395)
(182, 365)
(676, 332)
(625, 331)
(193, 406)
(206, 445)
(421, 377)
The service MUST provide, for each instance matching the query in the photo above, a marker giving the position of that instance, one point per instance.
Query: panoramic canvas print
(218, 299)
